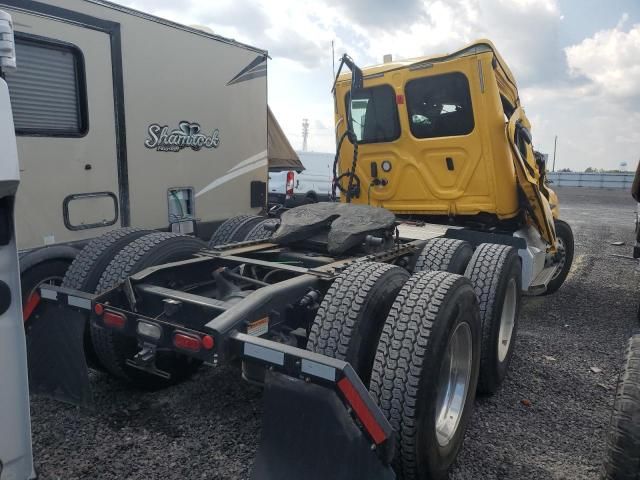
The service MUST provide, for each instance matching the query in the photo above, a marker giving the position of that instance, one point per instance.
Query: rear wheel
(262, 230)
(565, 255)
(622, 460)
(228, 229)
(240, 235)
(444, 254)
(88, 266)
(113, 348)
(350, 318)
(426, 369)
(495, 273)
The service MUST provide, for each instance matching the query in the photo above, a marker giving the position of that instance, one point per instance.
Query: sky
(576, 62)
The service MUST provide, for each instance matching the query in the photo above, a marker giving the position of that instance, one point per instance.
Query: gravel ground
(208, 428)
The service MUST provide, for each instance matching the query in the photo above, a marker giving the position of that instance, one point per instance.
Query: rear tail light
(289, 186)
(207, 342)
(184, 341)
(114, 320)
(99, 309)
(149, 330)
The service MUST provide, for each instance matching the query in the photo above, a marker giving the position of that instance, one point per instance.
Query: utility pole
(333, 59)
(555, 145)
(305, 133)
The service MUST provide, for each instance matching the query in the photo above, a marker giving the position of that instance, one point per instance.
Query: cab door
(62, 96)
(518, 132)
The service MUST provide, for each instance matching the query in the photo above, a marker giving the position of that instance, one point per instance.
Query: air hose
(351, 174)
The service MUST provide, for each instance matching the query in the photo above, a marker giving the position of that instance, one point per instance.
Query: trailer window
(439, 106)
(374, 114)
(47, 90)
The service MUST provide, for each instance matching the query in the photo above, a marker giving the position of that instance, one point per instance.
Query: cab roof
(475, 48)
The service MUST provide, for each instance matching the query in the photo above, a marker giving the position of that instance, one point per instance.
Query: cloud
(579, 93)
(380, 14)
(610, 59)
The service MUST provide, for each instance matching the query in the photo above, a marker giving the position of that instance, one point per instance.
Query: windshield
(374, 114)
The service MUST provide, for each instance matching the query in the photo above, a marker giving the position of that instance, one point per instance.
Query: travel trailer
(125, 119)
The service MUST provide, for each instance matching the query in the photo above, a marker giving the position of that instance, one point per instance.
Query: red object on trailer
(289, 184)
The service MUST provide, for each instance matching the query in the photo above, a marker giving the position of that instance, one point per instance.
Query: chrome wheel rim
(562, 257)
(453, 383)
(507, 319)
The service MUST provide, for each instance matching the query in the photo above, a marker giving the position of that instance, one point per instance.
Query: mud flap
(319, 421)
(55, 350)
(308, 433)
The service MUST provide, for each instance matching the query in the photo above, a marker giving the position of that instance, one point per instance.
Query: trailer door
(62, 95)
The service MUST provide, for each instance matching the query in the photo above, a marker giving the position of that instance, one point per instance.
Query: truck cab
(443, 137)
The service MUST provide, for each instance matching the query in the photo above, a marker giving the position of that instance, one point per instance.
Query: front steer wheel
(112, 348)
(426, 369)
(565, 255)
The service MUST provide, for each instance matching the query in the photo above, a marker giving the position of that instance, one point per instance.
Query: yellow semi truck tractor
(371, 321)
(445, 139)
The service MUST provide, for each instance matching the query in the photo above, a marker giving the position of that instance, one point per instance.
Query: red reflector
(186, 342)
(289, 187)
(30, 306)
(363, 413)
(114, 320)
(399, 99)
(99, 309)
(207, 342)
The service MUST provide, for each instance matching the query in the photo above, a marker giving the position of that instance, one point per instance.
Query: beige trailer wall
(170, 75)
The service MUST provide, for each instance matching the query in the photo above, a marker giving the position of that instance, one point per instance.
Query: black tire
(113, 348)
(565, 234)
(622, 459)
(405, 381)
(311, 197)
(494, 270)
(261, 231)
(350, 318)
(87, 268)
(240, 235)
(444, 254)
(226, 231)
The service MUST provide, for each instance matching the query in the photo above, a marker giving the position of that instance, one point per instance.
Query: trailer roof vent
(7, 45)
(388, 58)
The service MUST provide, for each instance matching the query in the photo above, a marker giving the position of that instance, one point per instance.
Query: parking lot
(547, 421)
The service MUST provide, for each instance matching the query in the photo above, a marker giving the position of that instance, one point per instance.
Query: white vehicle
(16, 461)
(291, 187)
(125, 119)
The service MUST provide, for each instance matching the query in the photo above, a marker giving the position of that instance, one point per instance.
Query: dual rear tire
(102, 264)
(242, 228)
(495, 273)
(415, 341)
(112, 348)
